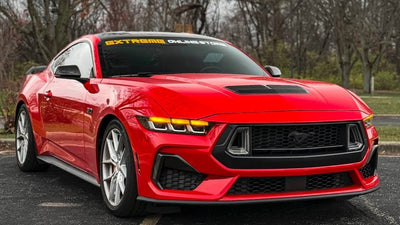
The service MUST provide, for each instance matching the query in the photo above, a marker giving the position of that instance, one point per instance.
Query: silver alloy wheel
(22, 137)
(114, 167)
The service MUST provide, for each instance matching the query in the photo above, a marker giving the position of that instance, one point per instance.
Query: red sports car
(189, 119)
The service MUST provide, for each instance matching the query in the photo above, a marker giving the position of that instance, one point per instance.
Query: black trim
(267, 89)
(279, 162)
(239, 202)
(70, 169)
(186, 177)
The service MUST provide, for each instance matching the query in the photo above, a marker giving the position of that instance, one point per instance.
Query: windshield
(133, 56)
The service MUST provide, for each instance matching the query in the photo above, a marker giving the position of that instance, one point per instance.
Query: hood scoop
(267, 89)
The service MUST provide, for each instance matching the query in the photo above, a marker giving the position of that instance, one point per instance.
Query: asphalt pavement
(56, 197)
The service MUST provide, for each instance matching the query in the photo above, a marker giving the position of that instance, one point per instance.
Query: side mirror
(36, 69)
(70, 72)
(273, 70)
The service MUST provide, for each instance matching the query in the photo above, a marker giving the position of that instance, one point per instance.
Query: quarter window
(79, 55)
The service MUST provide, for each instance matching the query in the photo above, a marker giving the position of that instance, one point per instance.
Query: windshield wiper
(139, 74)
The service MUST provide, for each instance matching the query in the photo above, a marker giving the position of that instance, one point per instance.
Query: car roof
(130, 34)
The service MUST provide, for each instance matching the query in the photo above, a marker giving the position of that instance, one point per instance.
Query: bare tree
(372, 27)
(51, 24)
(9, 40)
(337, 14)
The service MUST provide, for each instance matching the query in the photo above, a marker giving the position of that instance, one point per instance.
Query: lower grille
(369, 169)
(258, 185)
(328, 181)
(266, 185)
(180, 180)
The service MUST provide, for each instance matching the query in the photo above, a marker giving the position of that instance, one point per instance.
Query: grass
(3, 135)
(388, 133)
(383, 103)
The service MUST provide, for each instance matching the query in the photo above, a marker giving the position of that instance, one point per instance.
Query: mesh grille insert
(327, 181)
(265, 185)
(179, 179)
(369, 169)
(298, 139)
(258, 185)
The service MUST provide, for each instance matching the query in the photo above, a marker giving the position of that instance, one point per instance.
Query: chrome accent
(153, 127)
(243, 145)
(355, 139)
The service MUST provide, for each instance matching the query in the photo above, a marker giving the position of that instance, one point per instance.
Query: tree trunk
(346, 65)
(398, 56)
(367, 75)
(346, 74)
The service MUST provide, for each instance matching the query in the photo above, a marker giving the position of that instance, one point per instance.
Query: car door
(63, 105)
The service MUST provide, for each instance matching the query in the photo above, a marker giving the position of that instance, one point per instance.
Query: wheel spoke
(117, 191)
(20, 128)
(108, 178)
(23, 153)
(113, 184)
(108, 161)
(115, 138)
(111, 150)
(121, 182)
(124, 171)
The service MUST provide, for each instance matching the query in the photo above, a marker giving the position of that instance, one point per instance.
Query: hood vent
(267, 89)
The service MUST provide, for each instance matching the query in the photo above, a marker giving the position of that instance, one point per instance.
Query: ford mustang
(188, 119)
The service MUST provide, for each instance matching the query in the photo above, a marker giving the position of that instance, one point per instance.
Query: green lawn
(2, 135)
(387, 133)
(383, 103)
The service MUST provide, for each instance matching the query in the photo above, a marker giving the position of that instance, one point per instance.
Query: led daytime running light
(368, 120)
(174, 125)
(159, 119)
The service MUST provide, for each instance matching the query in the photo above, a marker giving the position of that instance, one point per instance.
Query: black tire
(128, 205)
(25, 146)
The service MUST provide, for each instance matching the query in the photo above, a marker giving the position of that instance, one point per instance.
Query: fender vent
(267, 89)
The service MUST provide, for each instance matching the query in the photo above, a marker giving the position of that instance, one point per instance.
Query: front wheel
(117, 173)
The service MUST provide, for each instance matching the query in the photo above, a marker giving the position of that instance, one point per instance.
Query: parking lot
(56, 197)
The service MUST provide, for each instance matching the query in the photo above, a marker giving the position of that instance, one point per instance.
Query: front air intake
(171, 172)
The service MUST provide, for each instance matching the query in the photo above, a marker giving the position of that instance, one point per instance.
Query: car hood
(198, 96)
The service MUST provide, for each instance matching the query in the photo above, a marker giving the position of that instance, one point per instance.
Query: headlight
(368, 120)
(174, 125)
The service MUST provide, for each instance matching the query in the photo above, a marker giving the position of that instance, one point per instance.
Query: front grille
(298, 139)
(268, 185)
(278, 146)
(174, 179)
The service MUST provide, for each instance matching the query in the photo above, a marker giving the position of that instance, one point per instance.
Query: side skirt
(70, 169)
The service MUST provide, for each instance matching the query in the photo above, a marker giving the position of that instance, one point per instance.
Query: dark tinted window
(169, 55)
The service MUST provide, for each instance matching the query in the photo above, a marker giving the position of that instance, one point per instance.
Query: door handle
(48, 95)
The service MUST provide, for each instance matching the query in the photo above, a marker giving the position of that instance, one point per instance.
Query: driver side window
(79, 55)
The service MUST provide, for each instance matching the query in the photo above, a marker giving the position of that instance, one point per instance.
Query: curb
(385, 147)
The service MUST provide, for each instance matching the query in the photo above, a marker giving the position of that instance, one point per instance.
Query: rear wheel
(117, 173)
(25, 145)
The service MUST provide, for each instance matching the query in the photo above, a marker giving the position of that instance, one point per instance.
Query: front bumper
(216, 179)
